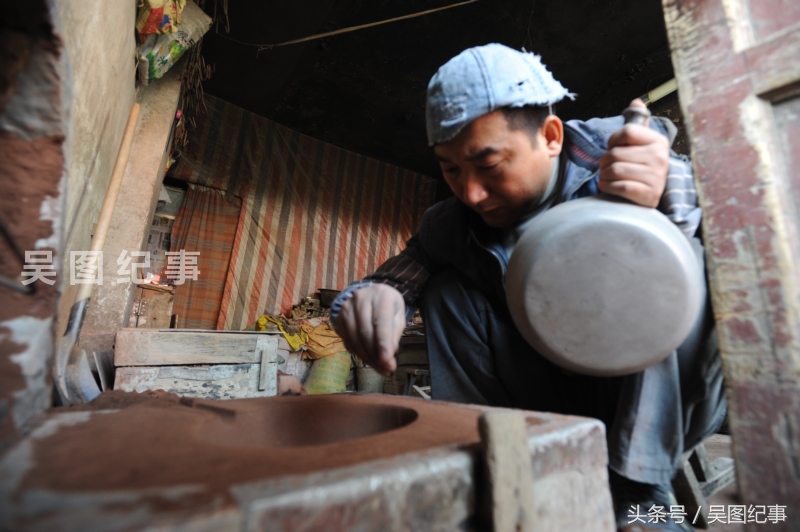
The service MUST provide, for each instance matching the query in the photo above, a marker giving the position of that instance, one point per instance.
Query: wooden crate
(412, 354)
(152, 306)
(192, 363)
(412, 350)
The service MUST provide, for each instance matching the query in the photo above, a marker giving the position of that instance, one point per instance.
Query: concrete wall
(111, 303)
(66, 88)
(32, 129)
(99, 38)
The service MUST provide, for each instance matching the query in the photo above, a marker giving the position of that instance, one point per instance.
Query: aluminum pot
(601, 286)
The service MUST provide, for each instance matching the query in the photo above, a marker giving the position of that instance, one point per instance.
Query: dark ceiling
(365, 90)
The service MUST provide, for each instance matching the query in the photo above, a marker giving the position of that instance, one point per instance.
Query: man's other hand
(371, 324)
(636, 163)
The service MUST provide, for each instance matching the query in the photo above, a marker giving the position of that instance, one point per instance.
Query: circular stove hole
(302, 421)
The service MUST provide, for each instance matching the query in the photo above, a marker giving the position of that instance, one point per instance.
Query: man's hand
(636, 163)
(371, 324)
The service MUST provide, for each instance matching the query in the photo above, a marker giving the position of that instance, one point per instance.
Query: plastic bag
(160, 16)
(159, 52)
(329, 374)
(322, 341)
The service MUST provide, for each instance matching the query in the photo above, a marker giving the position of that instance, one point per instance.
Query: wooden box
(193, 363)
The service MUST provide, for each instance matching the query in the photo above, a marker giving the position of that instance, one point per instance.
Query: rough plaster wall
(32, 117)
(100, 43)
(111, 303)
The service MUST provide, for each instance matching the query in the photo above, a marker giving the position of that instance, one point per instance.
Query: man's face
(498, 172)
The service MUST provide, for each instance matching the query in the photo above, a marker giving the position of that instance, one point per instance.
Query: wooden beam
(151, 347)
(737, 62)
(504, 438)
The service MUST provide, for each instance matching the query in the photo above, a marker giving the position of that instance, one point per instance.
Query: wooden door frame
(737, 63)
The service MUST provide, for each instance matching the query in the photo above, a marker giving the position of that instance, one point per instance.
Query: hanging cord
(528, 30)
(347, 30)
(192, 100)
(216, 18)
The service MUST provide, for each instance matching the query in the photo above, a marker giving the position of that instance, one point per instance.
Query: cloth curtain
(313, 215)
(206, 223)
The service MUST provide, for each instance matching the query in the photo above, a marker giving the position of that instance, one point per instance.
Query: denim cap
(481, 80)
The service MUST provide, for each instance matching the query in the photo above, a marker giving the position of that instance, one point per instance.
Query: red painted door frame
(738, 68)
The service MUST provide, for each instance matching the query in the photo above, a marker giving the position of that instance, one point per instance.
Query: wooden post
(504, 437)
(738, 68)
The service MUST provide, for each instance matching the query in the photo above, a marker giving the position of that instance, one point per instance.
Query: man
(507, 158)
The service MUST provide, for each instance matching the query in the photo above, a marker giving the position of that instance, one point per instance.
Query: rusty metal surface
(738, 68)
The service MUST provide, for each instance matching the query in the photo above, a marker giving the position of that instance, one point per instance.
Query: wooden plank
(229, 381)
(412, 340)
(157, 288)
(721, 473)
(151, 347)
(137, 303)
(413, 350)
(412, 358)
(504, 438)
(689, 493)
(736, 68)
(423, 392)
(268, 374)
(154, 308)
(209, 331)
(767, 60)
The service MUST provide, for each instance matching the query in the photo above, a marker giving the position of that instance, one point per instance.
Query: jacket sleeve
(679, 200)
(588, 142)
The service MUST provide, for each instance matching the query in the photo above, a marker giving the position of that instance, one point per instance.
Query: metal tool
(636, 115)
(601, 286)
